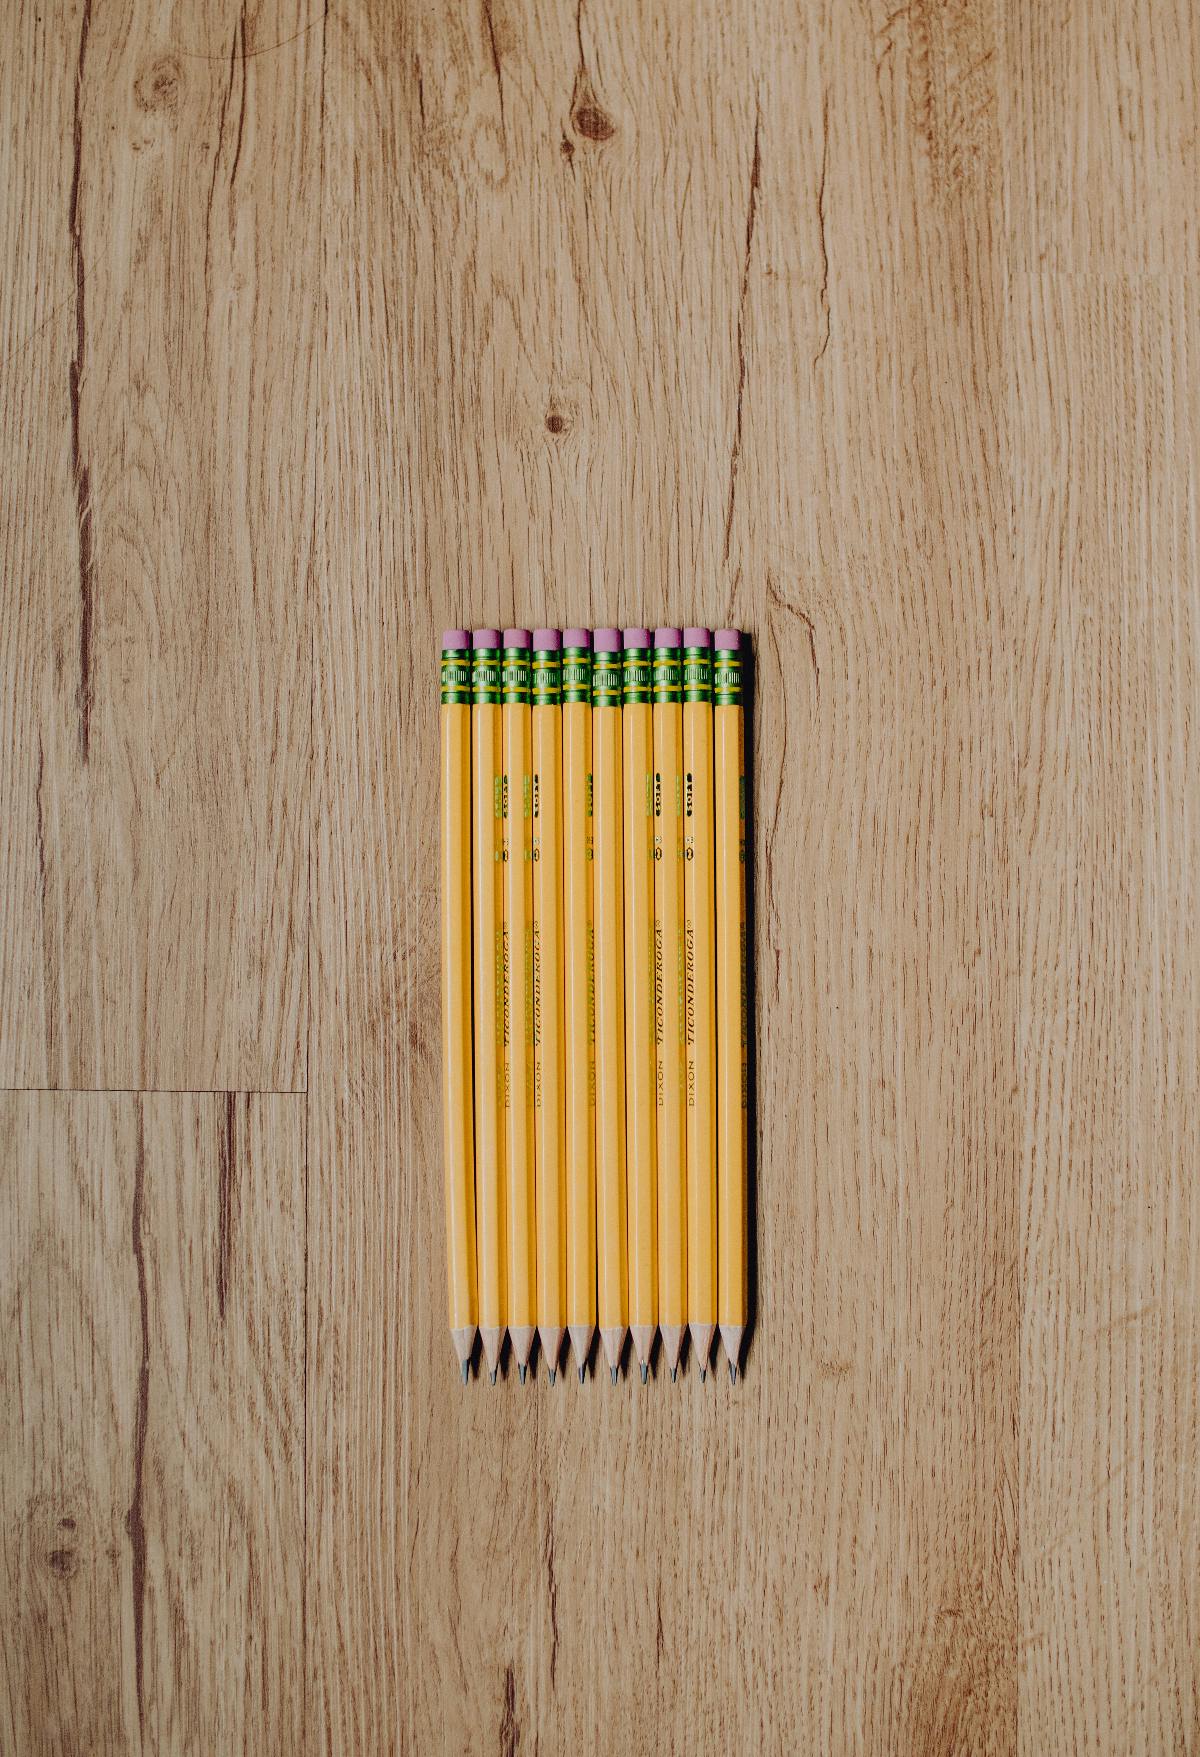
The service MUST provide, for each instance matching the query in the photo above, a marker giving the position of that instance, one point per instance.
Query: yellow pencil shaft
(730, 853)
(669, 1013)
(488, 891)
(611, 1272)
(458, 1147)
(638, 790)
(580, 1019)
(548, 1094)
(518, 1015)
(699, 953)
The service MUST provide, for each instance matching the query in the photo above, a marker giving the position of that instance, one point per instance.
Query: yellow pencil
(458, 1114)
(699, 992)
(488, 890)
(638, 791)
(612, 1278)
(579, 993)
(729, 797)
(549, 1121)
(668, 995)
(518, 997)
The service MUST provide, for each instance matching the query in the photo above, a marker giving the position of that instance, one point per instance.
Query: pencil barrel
(732, 1020)
(611, 1240)
(640, 1108)
(579, 993)
(548, 1037)
(458, 1110)
(487, 821)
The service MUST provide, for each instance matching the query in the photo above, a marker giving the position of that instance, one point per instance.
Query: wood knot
(556, 423)
(64, 1563)
(593, 122)
(588, 116)
(567, 148)
(158, 86)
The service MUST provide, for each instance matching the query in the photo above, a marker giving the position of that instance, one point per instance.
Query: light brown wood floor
(874, 331)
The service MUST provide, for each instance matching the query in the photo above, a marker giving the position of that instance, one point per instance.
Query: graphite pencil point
(732, 1374)
(522, 1371)
(674, 1374)
(492, 1377)
(466, 1371)
(581, 1375)
(551, 1375)
(612, 1375)
(645, 1373)
(703, 1375)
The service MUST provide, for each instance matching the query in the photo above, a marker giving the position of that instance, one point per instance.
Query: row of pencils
(595, 1013)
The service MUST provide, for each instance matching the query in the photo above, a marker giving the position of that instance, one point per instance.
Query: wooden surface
(873, 331)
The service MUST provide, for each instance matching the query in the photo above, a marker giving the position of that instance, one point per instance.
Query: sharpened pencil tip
(612, 1375)
(522, 1371)
(466, 1371)
(703, 1375)
(674, 1374)
(732, 1373)
(581, 1375)
(492, 1377)
(551, 1375)
(645, 1373)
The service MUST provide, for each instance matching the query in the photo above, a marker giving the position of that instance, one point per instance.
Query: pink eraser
(607, 640)
(454, 639)
(695, 637)
(546, 640)
(667, 637)
(727, 640)
(487, 637)
(637, 637)
(516, 637)
(577, 637)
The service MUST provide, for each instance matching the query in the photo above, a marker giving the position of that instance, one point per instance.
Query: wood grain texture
(152, 1375)
(156, 522)
(872, 331)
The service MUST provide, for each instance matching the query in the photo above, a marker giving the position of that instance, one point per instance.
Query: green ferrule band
(547, 680)
(456, 678)
(485, 676)
(668, 685)
(727, 680)
(577, 675)
(636, 680)
(697, 675)
(606, 680)
(515, 685)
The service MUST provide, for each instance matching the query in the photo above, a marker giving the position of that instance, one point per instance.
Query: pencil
(458, 1109)
(579, 993)
(699, 992)
(638, 793)
(668, 995)
(549, 1121)
(488, 889)
(611, 1272)
(518, 997)
(729, 834)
